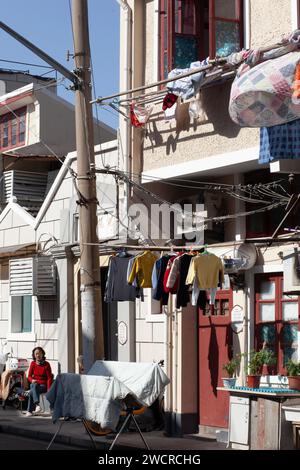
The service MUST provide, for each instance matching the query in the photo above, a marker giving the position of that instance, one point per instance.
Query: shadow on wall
(214, 101)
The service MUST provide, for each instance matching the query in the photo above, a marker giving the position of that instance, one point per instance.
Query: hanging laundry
(196, 110)
(170, 113)
(262, 97)
(208, 268)
(158, 273)
(142, 269)
(173, 289)
(280, 142)
(139, 290)
(139, 116)
(187, 87)
(169, 101)
(117, 287)
(198, 297)
(183, 296)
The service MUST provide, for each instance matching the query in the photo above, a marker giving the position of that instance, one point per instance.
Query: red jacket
(41, 373)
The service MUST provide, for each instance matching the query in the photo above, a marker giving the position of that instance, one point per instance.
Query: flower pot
(229, 382)
(253, 381)
(294, 382)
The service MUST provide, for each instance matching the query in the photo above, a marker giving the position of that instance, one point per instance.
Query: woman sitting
(40, 378)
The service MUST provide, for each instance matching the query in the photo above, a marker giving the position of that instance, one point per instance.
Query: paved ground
(73, 433)
(11, 442)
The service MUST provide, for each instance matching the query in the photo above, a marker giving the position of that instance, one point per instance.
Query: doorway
(215, 348)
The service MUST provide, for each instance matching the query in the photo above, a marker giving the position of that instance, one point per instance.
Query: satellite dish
(247, 251)
(244, 254)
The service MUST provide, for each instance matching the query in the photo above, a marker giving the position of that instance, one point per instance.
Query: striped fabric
(280, 142)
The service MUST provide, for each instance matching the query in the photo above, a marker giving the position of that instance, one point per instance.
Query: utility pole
(90, 288)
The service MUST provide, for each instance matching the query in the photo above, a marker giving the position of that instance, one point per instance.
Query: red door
(215, 348)
(276, 319)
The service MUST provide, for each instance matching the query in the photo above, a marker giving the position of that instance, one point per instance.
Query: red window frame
(9, 120)
(278, 322)
(167, 30)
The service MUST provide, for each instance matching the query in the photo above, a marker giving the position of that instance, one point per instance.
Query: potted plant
(256, 361)
(231, 368)
(293, 373)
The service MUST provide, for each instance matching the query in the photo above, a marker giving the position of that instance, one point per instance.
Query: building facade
(185, 158)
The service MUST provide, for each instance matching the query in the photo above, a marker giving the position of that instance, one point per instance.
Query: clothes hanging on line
(187, 87)
(142, 268)
(117, 287)
(177, 278)
(209, 270)
(158, 273)
(280, 142)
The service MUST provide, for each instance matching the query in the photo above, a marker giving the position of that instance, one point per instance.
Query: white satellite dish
(245, 253)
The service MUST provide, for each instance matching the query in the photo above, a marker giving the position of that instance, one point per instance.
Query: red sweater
(41, 373)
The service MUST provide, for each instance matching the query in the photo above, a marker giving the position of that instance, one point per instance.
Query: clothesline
(234, 243)
(211, 64)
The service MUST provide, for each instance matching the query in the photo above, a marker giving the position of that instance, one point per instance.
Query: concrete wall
(179, 141)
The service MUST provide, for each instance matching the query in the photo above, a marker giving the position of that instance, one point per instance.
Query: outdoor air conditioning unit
(32, 276)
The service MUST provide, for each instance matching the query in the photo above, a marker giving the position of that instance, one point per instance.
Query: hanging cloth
(209, 271)
(142, 269)
(280, 142)
(262, 96)
(158, 273)
(117, 287)
(139, 116)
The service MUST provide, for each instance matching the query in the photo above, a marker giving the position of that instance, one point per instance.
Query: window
(276, 320)
(21, 314)
(12, 129)
(192, 30)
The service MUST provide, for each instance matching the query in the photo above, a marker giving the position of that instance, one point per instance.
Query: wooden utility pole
(90, 288)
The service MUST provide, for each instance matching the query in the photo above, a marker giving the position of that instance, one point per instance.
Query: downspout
(127, 85)
(127, 312)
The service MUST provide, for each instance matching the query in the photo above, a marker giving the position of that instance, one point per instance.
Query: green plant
(257, 359)
(232, 366)
(292, 368)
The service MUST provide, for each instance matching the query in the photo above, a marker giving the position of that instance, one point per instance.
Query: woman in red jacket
(40, 378)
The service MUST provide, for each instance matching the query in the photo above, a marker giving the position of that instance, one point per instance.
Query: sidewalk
(73, 433)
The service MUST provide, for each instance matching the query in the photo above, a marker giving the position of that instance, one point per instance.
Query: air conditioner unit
(32, 276)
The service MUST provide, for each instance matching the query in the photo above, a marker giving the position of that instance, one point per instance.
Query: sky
(48, 25)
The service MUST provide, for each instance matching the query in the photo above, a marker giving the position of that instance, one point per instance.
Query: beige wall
(170, 143)
(270, 20)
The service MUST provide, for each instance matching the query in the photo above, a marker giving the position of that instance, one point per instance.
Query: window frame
(279, 323)
(167, 19)
(21, 335)
(17, 114)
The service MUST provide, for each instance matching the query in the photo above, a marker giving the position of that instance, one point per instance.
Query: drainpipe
(127, 85)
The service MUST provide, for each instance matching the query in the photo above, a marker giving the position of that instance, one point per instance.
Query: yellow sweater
(208, 269)
(142, 268)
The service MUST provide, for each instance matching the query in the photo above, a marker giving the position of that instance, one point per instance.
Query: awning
(21, 249)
